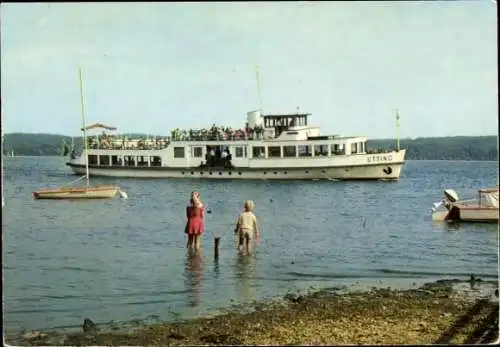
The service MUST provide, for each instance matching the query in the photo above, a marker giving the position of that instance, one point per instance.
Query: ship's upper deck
(259, 127)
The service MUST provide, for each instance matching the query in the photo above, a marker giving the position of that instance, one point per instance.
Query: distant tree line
(424, 148)
(445, 148)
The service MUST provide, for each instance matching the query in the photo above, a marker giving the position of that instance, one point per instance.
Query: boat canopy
(99, 125)
(488, 190)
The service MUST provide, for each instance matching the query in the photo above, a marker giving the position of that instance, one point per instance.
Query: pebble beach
(434, 313)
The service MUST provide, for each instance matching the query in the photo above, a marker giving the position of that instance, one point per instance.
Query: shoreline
(424, 315)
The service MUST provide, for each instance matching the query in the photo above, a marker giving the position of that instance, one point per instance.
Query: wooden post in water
(216, 247)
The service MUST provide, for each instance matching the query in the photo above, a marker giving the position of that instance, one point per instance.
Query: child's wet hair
(249, 205)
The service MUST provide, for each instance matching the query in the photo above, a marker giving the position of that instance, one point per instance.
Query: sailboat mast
(84, 128)
(3, 199)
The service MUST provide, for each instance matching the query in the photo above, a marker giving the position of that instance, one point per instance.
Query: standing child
(195, 224)
(246, 227)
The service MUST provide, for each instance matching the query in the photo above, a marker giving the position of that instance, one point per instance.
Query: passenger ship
(274, 147)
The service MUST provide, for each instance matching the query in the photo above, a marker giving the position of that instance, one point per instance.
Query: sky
(153, 67)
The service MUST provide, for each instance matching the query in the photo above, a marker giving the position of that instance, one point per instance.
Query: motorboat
(482, 208)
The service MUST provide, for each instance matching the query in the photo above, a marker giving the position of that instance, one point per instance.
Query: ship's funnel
(254, 119)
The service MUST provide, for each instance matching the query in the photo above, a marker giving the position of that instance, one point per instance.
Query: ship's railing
(117, 143)
(378, 150)
(149, 145)
(224, 137)
(217, 134)
(105, 141)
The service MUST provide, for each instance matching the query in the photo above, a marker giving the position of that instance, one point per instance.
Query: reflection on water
(244, 273)
(216, 269)
(193, 274)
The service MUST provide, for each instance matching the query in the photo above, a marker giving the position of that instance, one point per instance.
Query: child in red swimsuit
(195, 225)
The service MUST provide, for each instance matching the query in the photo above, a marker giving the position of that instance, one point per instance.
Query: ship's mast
(397, 130)
(257, 77)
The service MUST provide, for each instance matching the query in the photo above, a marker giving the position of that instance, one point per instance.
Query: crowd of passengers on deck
(108, 141)
(215, 133)
(218, 133)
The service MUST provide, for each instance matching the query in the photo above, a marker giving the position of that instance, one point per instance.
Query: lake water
(125, 260)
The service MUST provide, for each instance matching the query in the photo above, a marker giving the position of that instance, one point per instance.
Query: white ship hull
(384, 171)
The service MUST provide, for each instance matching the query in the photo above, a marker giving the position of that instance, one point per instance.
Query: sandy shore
(433, 313)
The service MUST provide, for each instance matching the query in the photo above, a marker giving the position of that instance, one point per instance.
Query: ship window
(129, 160)
(104, 160)
(197, 152)
(92, 159)
(354, 148)
(289, 151)
(321, 150)
(142, 161)
(178, 152)
(274, 152)
(258, 152)
(240, 152)
(362, 147)
(116, 160)
(155, 161)
(305, 151)
(337, 149)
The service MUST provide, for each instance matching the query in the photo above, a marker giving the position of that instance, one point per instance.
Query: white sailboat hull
(362, 172)
(98, 192)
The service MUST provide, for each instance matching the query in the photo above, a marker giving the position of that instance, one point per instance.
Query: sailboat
(82, 192)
